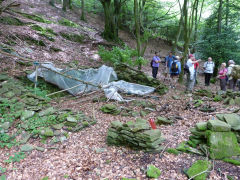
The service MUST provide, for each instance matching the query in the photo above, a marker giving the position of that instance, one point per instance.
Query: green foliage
(66, 22)
(217, 98)
(220, 46)
(140, 61)
(118, 55)
(3, 177)
(6, 140)
(16, 158)
(45, 178)
(2, 170)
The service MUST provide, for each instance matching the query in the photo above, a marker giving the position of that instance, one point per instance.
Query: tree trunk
(65, 4)
(111, 15)
(219, 30)
(137, 28)
(70, 4)
(227, 12)
(186, 39)
(51, 2)
(180, 25)
(83, 12)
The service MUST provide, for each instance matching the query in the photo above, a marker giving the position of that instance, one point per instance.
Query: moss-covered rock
(162, 120)
(197, 168)
(218, 126)
(153, 172)
(134, 76)
(201, 126)
(233, 120)
(173, 151)
(222, 144)
(110, 109)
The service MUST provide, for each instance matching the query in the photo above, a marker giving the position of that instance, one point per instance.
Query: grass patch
(35, 17)
(66, 22)
(46, 32)
(72, 37)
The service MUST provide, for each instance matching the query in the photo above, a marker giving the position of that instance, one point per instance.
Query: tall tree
(188, 27)
(112, 9)
(83, 11)
(67, 4)
(219, 30)
(141, 40)
(180, 26)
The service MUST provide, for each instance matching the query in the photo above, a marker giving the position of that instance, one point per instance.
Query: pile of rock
(231, 98)
(34, 114)
(220, 136)
(137, 135)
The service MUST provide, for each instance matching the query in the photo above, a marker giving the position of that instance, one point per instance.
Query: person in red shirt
(196, 66)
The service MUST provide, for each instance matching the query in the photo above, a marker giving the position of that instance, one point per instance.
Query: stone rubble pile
(220, 136)
(137, 135)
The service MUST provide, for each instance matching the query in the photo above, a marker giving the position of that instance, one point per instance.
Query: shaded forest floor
(85, 155)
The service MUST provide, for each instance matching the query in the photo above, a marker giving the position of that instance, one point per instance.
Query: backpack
(186, 68)
(151, 63)
(174, 67)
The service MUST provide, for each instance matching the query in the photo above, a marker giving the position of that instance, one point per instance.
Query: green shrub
(118, 55)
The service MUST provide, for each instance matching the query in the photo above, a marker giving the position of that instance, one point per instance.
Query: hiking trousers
(154, 72)
(190, 83)
(232, 84)
(223, 83)
(207, 78)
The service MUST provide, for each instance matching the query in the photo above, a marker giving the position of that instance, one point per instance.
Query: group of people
(173, 67)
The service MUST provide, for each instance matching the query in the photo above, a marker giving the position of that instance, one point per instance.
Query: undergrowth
(118, 55)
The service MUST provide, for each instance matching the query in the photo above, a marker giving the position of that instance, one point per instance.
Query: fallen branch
(63, 90)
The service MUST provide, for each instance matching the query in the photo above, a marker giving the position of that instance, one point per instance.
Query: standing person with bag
(232, 81)
(175, 69)
(190, 73)
(208, 70)
(155, 65)
(222, 75)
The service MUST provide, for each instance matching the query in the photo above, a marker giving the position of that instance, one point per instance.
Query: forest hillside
(78, 100)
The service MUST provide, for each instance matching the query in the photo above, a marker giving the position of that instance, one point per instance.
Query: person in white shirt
(190, 75)
(208, 70)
